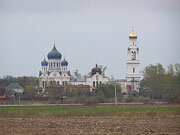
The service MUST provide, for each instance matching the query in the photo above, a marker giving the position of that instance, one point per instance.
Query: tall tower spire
(133, 71)
(132, 28)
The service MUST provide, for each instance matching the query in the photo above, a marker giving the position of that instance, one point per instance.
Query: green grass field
(66, 111)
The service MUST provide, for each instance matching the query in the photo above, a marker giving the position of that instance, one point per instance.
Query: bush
(90, 101)
(145, 100)
(173, 99)
(129, 99)
(100, 96)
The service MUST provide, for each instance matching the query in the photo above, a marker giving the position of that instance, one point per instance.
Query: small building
(96, 77)
(93, 80)
(14, 89)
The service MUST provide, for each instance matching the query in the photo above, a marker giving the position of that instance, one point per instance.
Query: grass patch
(66, 111)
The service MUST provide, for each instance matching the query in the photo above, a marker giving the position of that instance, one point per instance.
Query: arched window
(43, 84)
(133, 70)
(51, 64)
(97, 83)
(54, 64)
(94, 84)
(57, 64)
(133, 55)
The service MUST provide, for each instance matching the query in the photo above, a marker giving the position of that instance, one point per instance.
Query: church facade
(54, 70)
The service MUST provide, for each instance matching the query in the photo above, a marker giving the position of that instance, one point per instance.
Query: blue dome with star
(44, 63)
(54, 54)
(64, 63)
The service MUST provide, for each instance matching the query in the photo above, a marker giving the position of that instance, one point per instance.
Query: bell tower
(133, 71)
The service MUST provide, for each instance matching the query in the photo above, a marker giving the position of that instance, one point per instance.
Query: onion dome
(132, 35)
(54, 54)
(96, 70)
(44, 63)
(64, 63)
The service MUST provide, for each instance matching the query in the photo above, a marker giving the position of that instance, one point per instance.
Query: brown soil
(124, 125)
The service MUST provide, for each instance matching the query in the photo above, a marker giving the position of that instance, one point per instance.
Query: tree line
(160, 83)
(157, 83)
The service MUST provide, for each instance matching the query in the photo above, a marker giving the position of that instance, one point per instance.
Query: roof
(132, 35)
(44, 63)
(54, 54)
(16, 87)
(64, 63)
(96, 70)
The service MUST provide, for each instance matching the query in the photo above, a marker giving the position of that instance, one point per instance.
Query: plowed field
(89, 121)
(90, 126)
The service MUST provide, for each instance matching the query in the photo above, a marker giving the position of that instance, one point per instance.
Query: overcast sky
(87, 32)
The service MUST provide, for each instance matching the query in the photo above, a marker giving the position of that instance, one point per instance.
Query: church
(55, 71)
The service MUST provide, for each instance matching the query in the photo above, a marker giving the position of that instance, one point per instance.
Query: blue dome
(44, 63)
(54, 54)
(64, 63)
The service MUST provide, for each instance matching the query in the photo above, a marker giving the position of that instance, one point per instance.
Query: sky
(87, 32)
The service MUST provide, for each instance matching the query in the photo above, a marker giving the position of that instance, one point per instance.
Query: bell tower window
(133, 55)
(133, 70)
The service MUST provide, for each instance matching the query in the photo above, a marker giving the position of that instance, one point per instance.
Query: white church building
(55, 71)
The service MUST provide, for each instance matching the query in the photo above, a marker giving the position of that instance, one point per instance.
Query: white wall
(96, 78)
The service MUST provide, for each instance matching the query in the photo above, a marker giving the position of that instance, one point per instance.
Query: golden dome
(132, 35)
